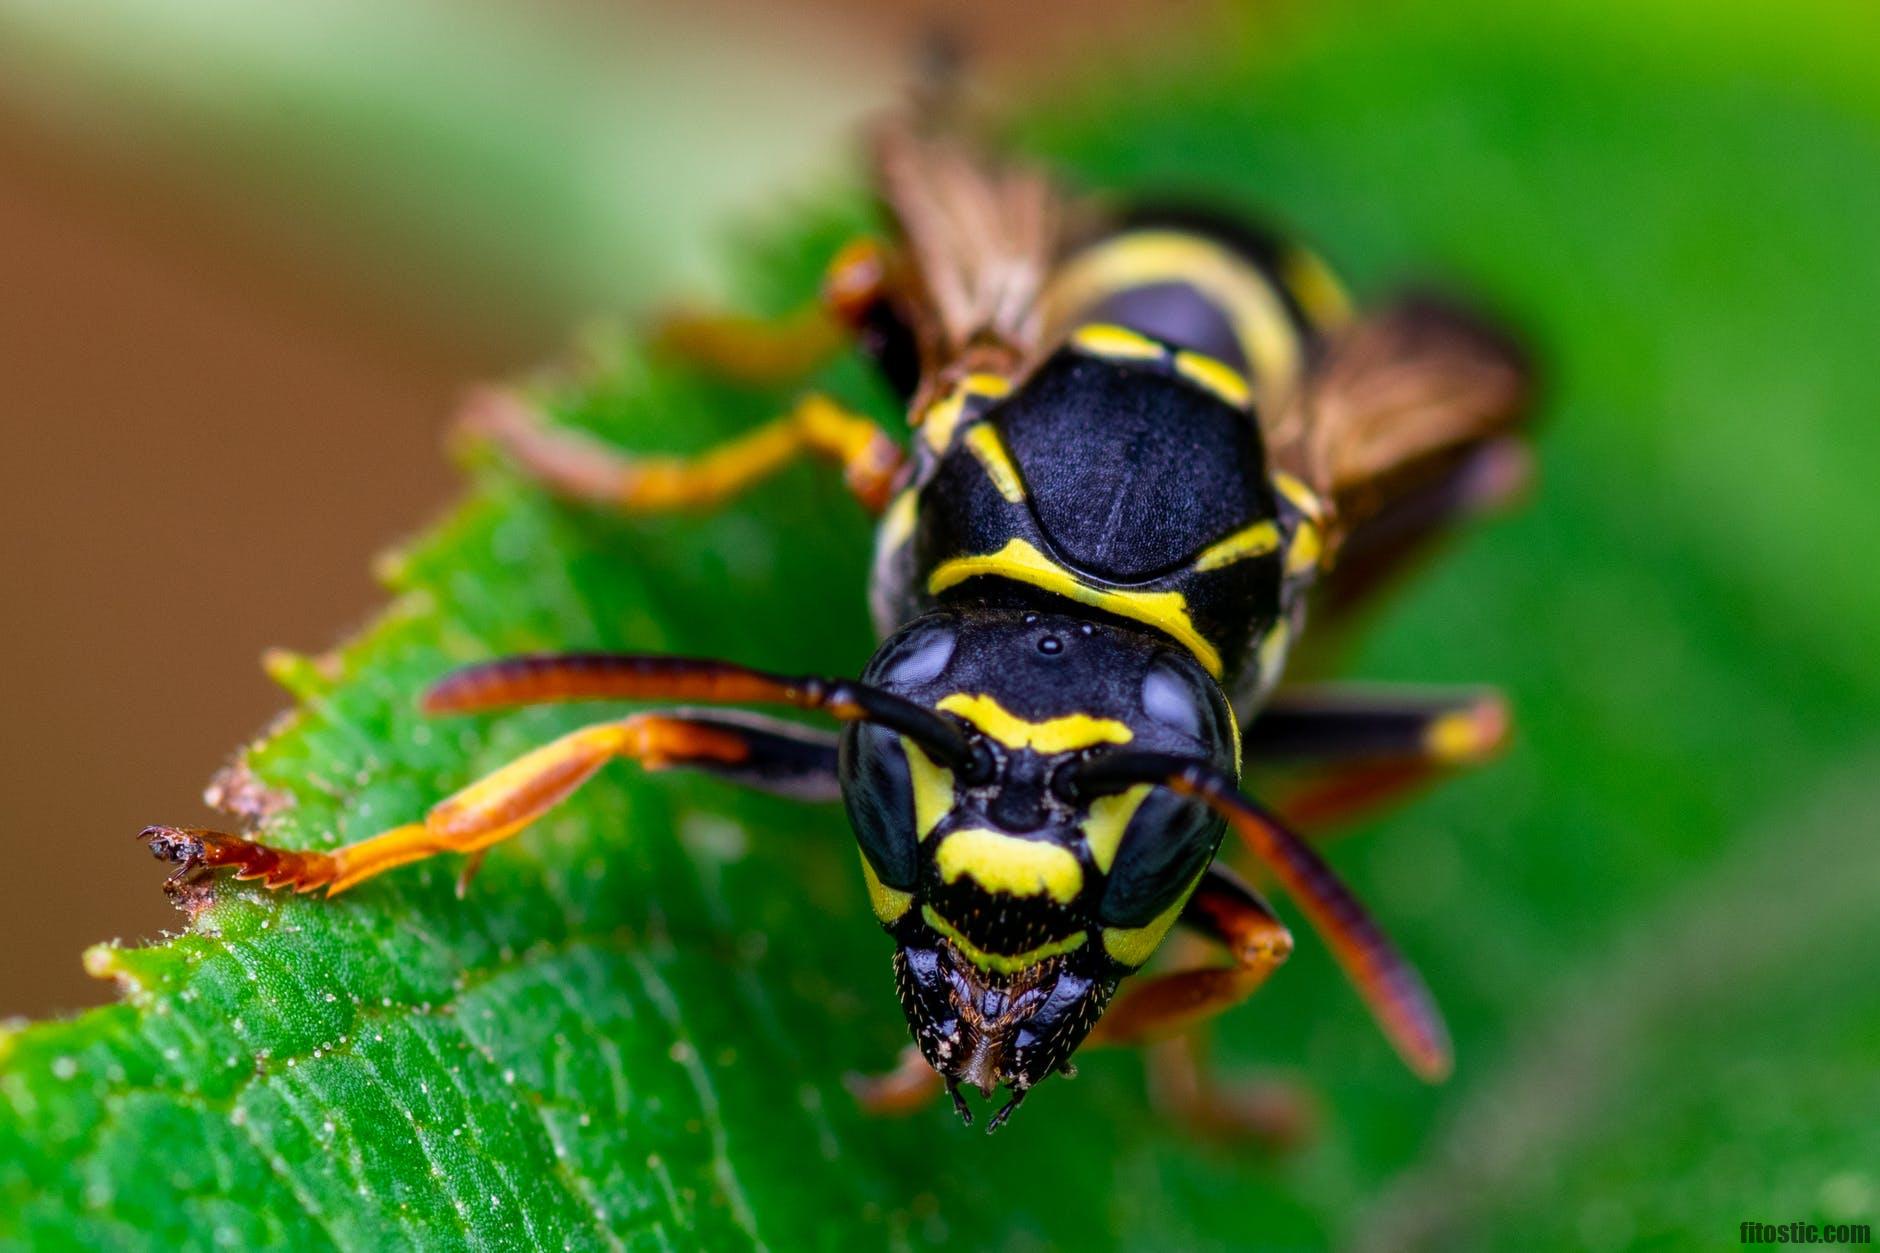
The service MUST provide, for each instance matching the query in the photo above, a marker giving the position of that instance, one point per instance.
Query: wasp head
(1017, 905)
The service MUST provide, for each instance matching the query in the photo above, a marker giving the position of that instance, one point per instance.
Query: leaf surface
(1651, 924)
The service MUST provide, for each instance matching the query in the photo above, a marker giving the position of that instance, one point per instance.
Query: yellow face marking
(1005, 965)
(897, 523)
(1023, 563)
(1054, 735)
(1254, 541)
(1140, 258)
(1008, 866)
(984, 443)
(1304, 551)
(933, 788)
(1116, 343)
(1109, 816)
(888, 903)
(1132, 946)
(1216, 376)
(1303, 498)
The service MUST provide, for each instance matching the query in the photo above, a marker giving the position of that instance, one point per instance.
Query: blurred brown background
(231, 335)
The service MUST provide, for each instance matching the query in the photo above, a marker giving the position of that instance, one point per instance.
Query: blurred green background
(1653, 926)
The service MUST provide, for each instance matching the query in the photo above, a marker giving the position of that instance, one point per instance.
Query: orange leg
(763, 352)
(772, 756)
(1389, 985)
(768, 352)
(907, 1089)
(1224, 910)
(581, 468)
(763, 753)
(1277, 1113)
(1169, 1014)
(487, 812)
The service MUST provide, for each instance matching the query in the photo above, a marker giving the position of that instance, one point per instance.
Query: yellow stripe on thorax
(1054, 735)
(984, 443)
(1271, 652)
(1215, 376)
(942, 418)
(1302, 497)
(1267, 337)
(1006, 865)
(1305, 550)
(1023, 563)
(897, 523)
(1116, 343)
(1253, 541)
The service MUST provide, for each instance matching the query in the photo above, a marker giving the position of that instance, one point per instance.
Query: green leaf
(1651, 924)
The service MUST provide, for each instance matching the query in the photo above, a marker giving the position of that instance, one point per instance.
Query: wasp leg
(499, 805)
(763, 352)
(768, 352)
(1170, 1013)
(1230, 913)
(583, 469)
(1371, 746)
(784, 759)
(1388, 984)
(1274, 1111)
(907, 1089)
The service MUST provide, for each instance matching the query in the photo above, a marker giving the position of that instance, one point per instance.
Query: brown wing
(980, 237)
(1399, 400)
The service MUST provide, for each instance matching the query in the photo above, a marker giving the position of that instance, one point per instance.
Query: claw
(194, 848)
(177, 844)
(1005, 1111)
(960, 1106)
(472, 864)
(188, 884)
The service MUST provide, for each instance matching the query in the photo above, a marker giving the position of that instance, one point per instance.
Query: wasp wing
(1400, 399)
(981, 238)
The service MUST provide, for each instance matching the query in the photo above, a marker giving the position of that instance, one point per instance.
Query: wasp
(1142, 442)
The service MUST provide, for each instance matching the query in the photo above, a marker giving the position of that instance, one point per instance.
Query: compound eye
(878, 792)
(1167, 842)
(1170, 699)
(1178, 696)
(914, 658)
